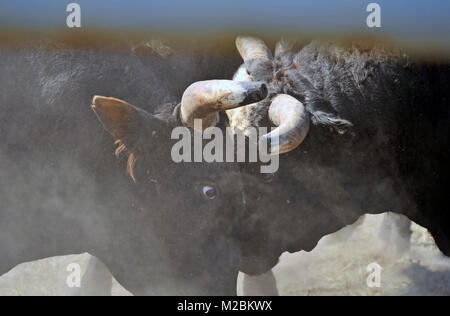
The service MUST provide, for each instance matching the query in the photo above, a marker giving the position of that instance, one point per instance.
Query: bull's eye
(209, 192)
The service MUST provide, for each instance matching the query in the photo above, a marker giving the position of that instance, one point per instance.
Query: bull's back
(399, 107)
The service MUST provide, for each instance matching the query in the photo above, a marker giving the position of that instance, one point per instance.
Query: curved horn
(252, 48)
(292, 120)
(203, 99)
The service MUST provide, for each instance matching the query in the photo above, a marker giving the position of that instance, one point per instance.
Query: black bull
(63, 191)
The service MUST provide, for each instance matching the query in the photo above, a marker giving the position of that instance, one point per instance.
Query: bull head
(256, 94)
(252, 82)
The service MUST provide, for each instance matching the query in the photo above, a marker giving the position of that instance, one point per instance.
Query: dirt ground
(338, 265)
(410, 264)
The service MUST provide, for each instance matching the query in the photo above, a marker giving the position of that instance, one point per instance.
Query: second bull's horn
(252, 48)
(203, 99)
(292, 121)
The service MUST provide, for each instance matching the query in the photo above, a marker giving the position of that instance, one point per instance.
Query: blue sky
(400, 18)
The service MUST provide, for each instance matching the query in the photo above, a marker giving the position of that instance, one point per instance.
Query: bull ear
(132, 128)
